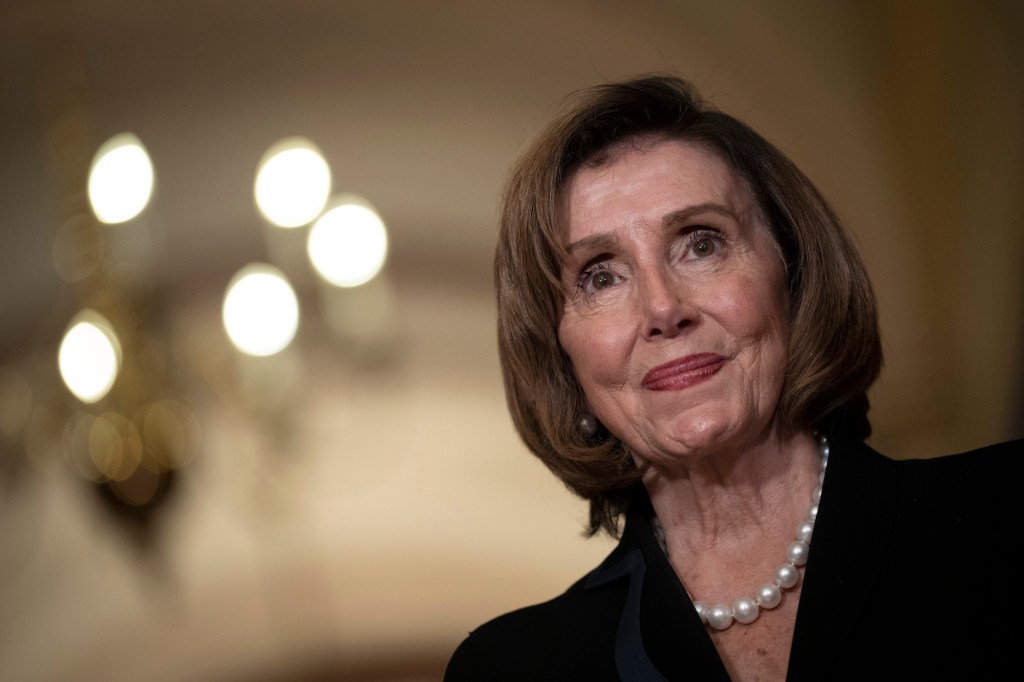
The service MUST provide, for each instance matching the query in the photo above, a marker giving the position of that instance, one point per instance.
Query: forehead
(646, 179)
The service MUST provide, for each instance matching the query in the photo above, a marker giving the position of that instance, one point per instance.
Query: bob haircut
(834, 353)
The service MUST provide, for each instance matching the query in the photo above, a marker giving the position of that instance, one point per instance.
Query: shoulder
(988, 453)
(990, 465)
(968, 494)
(562, 638)
(987, 461)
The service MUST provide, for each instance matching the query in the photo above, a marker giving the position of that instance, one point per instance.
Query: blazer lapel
(659, 636)
(851, 533)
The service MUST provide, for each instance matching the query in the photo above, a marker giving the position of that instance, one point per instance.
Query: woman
(687, 337)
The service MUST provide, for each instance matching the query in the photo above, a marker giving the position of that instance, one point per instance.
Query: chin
(700, 436)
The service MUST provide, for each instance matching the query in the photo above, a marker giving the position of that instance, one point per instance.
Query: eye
(703, 243)
(597, 278)
(703, 247)
(602, 280)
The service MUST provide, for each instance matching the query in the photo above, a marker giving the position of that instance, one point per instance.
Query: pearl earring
(588, 425)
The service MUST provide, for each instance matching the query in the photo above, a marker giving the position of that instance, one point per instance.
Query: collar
(660, 637)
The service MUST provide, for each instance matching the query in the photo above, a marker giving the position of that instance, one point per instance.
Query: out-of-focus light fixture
(115, 446)
(89, 357)
(120, 179)
(293, 182)
(349, 243)
(261, 311)
(16, 401)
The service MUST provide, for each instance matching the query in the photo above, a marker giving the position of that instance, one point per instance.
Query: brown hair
(834, 352)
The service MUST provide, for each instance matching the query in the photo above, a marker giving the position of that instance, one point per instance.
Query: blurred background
(227, 455)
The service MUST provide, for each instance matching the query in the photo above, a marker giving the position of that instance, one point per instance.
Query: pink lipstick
(683, 372)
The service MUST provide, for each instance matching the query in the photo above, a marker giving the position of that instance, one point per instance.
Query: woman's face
(677, 318)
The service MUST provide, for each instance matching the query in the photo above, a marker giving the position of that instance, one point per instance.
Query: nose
(665, 307)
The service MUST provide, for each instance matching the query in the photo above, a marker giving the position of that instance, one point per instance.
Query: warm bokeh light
(348, 244)
(171, 433)
(89, 356)
(115, 446)
(75, 445)
(120, 180)
(292, 183)
(261, 311)
(75, 258)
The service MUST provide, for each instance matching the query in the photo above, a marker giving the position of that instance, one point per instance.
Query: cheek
(775, 314)
(754, 320)
(741, 313)
(598, 346)
(571, 337)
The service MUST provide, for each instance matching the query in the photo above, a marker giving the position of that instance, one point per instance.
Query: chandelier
(123, 415)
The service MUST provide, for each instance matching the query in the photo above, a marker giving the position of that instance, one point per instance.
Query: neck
(734, 541)
(735, 495)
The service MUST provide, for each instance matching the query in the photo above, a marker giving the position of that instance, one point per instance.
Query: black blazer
(912, 575)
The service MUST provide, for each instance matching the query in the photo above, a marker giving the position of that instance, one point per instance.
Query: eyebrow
(594, 241)
(608, 239)
(684, 214)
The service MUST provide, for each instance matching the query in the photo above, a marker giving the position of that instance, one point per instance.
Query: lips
(683, 372)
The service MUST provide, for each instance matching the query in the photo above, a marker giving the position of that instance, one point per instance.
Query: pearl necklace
(746, 609)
